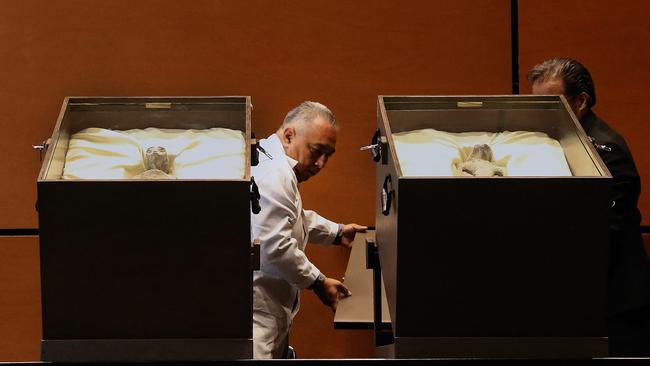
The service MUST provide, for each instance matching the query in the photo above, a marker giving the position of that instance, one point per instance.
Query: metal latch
(377, 147)
(599, 146)
(263, 151)
(256, 148)
(42, 148)
(375, 150)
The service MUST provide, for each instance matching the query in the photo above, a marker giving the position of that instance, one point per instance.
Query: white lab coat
(284, 229)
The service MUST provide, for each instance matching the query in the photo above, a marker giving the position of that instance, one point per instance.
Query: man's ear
(582, 103)
(288, 134)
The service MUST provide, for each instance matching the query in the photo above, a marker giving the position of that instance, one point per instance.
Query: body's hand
(349, 232)
(331, 291)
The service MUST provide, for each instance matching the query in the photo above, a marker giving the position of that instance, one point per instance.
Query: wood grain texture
(338, 52)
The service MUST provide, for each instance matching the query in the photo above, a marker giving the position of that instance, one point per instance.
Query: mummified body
(156, 163)
(480, 163)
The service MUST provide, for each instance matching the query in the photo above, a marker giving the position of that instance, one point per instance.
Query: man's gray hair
(307, 112)
(575, 77)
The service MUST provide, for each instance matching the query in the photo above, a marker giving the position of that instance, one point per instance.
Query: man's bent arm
(274, 226)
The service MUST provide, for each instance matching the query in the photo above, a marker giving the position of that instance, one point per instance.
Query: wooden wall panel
(342, 53)
(339, 52)
(313, 334)
(609, 38)
(20, 299)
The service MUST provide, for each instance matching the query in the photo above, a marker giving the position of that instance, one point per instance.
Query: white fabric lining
(429, 152)
(97, 153)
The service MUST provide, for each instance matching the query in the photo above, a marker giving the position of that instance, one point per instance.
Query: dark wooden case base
(145, 350)
(489, 263)
(136, 270)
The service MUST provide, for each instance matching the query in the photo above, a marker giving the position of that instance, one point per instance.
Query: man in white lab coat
(298, 150)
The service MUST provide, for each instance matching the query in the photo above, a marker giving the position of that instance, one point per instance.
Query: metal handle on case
(599, 146)
(256, 149)
(376, 147)
(44, 145)
(387, 195)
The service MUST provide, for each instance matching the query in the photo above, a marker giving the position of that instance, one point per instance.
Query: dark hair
(575, 77)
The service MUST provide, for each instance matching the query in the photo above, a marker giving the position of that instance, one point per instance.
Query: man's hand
(349, 232)
(331, 291)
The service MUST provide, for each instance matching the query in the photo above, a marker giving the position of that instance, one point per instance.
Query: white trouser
(270, 335)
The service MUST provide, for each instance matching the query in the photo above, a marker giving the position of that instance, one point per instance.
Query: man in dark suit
(629, 269)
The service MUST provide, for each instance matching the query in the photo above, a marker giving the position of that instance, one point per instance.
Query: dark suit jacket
(629, 269)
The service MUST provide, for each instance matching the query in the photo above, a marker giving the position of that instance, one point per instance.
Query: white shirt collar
(278, 148)
(292, 161)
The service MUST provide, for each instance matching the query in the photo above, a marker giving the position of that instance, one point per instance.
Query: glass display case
(511, 265)
(146, 269)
